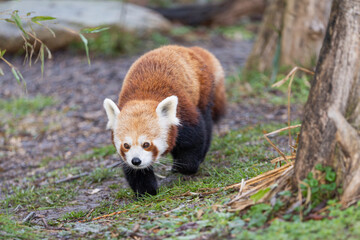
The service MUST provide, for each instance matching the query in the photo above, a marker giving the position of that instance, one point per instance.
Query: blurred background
(60, 59)
(63, 58)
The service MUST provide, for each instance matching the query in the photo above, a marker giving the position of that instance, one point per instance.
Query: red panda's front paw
(142, 181)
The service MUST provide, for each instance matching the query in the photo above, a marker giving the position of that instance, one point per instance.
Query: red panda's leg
(191, 146)
(207, 115)
(141, 181)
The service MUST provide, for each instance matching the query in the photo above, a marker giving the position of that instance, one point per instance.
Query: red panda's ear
(166, 110)
(112, 111)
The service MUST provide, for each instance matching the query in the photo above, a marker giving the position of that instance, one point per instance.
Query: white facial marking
(161, 145)
(117, 143)
(139, 152)
(142, 139)
(128, 140)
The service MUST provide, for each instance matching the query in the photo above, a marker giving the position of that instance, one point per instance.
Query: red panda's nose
(136, 161)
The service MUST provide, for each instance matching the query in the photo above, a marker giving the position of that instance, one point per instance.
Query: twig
(278, 159)
(28, 218)
(175, 209)
(291, 75)
(72, 178)
(277, 149)
(283, 129)
(104, 216)
(45, 223)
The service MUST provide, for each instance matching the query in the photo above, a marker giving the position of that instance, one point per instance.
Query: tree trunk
(293, 28)
(223, 13)
(330, 129)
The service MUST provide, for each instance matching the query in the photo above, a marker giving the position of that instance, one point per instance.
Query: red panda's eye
(146, 145)
(126, 146)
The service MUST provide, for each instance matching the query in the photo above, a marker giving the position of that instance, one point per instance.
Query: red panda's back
(170, 70)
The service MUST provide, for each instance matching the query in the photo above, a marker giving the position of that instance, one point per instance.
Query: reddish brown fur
(214, 67)
(188, 73)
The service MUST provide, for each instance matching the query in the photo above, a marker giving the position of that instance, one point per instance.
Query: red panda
(168, 102)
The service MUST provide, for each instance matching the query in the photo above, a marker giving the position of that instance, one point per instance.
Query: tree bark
(263, 51)
(223, 13)
(330, 129)
(295, 28)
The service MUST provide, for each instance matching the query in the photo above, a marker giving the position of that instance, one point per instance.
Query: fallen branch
(28, 218)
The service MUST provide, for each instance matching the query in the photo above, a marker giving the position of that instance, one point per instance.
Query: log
(224, 13)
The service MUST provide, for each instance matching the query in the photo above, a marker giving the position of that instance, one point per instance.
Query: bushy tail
(219, 107)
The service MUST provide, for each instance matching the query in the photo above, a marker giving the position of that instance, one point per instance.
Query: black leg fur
(191, 146)
(208, 133)
(141, 180)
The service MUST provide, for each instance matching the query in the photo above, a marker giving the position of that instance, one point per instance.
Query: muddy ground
(76, 123)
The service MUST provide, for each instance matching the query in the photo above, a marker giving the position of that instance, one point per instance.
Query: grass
(38, 198)
(73, 215)
(258, 86)
(10, 229)
(238, 155)
(13, 111)
(226, 164)
(235, 32)
(117, 41)
(97, 153)
(343, 224)
(47, 160)
(100, 174)
(20, 107)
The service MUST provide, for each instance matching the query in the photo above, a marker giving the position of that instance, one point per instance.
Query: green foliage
(159, 39)
(23, 106)
(181, 31)
(74, 215)
(31, 41)
(340, 224)
(258, 215)
(319, 192)
(234, 32)
(111, 42)
(103, 151)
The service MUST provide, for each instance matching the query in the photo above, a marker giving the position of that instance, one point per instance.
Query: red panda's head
(141, 129)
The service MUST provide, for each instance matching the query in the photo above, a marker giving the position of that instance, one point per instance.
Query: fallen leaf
(96, 190)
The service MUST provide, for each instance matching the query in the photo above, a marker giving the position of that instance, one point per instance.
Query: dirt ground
(76, 123)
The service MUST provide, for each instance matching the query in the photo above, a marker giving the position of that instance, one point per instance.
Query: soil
(76, 124)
